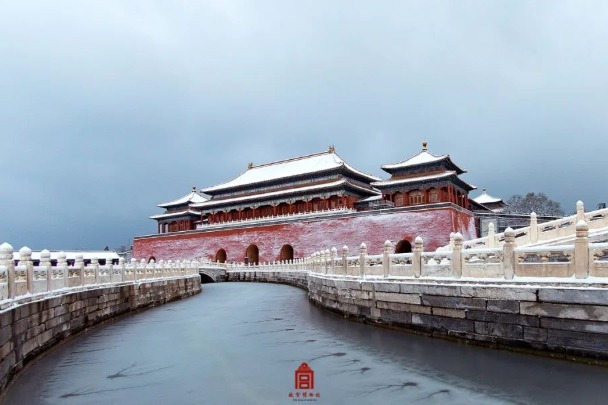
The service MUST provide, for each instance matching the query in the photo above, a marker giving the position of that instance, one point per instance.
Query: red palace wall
(306, 236)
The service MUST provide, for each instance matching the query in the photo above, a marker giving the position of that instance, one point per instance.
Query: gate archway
(286, 252)
(403, 246)
(252, 254)
(220, 256)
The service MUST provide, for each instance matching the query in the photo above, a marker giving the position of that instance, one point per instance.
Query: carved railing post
(362, 259)
(79, 264)
(451, 244)
(334, 258)
(417, 256)
(25, 259)
(491, 235)
(110, 267)
(580, 211)
(134, 268)
(327, 260)
(581, 250)
(6, 260)
(62, 264)
(95, 266)
(386, 260)
(345, 260)
(45, 261)
(533, 228)
(121, 266)
(508, 254)
(457, 256)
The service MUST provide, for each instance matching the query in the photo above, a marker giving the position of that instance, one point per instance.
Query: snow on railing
(20, 278)
(535, 233)
(580, 260)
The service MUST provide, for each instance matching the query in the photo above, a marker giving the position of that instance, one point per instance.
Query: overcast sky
(109, 108)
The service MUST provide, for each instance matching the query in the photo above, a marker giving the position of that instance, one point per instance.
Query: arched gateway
(286, 252)
(252, 254)
(403, 246)
(220, 256)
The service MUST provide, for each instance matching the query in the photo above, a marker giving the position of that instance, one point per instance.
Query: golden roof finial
(250, 165)
(332, 149)
(424, 145)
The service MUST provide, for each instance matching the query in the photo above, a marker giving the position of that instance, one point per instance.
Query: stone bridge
(212, 273)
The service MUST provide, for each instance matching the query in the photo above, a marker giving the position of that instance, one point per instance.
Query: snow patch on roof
(288, 168)
(193, 197)
(421, 158)
(414, 179)
(175, 214)
(485, 198)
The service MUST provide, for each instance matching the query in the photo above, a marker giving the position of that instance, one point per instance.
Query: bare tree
(533, 202)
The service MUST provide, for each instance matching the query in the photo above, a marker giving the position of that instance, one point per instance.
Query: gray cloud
(109, 108)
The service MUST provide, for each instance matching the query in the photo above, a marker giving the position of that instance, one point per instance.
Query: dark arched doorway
(286, 252)
(252, 254)
(206, 279)
(403, 246)
(220, 256)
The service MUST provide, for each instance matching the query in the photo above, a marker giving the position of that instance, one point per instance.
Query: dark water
(240, 343)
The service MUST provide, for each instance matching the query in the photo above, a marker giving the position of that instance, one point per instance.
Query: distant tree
(533, 202)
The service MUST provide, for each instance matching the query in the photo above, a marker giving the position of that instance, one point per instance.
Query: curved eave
(445, 161)
(301, 191)
(176, 214)
(451, 176)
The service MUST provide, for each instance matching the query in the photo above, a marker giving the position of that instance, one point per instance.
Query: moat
(242, 342)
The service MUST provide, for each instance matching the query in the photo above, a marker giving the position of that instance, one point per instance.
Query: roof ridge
(293, 159)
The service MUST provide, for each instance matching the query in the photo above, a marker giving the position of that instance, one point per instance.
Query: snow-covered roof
(175, 214)
(289, 168)
(409, 180)
(372, 198)
(193, 197)
(414, 179)
(485, 198)
(271, 194)
(422, 158)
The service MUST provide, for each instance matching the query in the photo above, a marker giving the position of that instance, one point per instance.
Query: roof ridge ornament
(194, 189)
(424, 148)
(249, 165)
(332, 149)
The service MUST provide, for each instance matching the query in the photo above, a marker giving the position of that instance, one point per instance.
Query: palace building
(290, 208)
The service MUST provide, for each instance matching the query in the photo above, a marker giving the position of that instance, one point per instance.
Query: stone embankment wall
(30, 328)
(569, 321)
(291, 277)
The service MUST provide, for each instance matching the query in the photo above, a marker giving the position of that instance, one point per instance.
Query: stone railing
(580, 260)
(562, 228)
(21, 278)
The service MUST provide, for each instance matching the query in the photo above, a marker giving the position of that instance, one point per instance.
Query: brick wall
(434, 225)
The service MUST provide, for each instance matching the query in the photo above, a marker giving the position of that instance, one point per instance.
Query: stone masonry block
(583, 312)
(577, 340)
(443, 324)
(500, 330)
(507, 306)
(402, 298)
(395, 306)
(387, 287)
(536, 334)
(450, 313)
(454, 302)
(443, 290)
(499, 293)
(513, 319)
(573, 296)
(575, 325)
